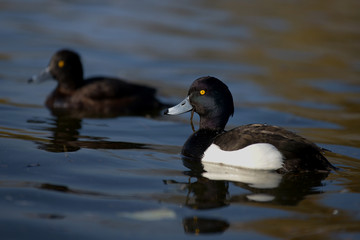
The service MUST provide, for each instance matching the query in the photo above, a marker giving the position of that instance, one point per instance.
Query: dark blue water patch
(356, 65)
(342, 203)
(71, 210)
(17, 157)
(315, 105)
(47, 198)
(193, 69)
(245, 115)
(245, 91)
(352, 152)
(277, 24)
(334, 85)
(347, 235)
(126, 128)
(291, 54)
(18, 161)
(15, 124)
(68, 193)
(239, 212)
(34, 212)
(19, 93)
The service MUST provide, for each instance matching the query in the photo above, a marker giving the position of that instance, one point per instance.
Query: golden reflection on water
(309, 52)
(323, 225)
(309, 46)
(317, 44)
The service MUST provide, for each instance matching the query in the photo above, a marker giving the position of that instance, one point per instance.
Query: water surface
(295, 64)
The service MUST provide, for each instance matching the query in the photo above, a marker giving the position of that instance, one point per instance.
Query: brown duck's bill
(41, 77)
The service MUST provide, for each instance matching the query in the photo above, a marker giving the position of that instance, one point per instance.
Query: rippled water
(290, 63)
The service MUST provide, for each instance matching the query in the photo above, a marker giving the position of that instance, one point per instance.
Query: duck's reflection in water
(65, 136)
(211, 190)
(197, 225)
(201, 195)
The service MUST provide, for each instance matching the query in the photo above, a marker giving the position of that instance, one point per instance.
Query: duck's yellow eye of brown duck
(202, 92)
(61, 64)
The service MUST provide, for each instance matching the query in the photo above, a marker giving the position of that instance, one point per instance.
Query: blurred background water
(290, 63)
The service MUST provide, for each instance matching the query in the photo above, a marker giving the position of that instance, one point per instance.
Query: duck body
(253, 146)
(99, 96)
(105, 96)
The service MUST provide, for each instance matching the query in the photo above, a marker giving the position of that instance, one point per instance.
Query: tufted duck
(253, 146)
(98, 96)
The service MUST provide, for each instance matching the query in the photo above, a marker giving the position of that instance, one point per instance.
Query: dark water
(290, 63)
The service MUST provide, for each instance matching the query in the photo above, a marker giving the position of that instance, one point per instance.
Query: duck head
(65, 67)
(211, 99)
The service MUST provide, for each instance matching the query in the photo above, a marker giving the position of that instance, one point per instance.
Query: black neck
(198, 142)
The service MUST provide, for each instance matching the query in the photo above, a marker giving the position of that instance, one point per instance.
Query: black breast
(198, 142)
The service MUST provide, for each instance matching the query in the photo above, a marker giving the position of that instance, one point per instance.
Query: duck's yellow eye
(202, 92)
(61, 64)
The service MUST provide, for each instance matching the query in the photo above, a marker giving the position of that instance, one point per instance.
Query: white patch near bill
(259, 156)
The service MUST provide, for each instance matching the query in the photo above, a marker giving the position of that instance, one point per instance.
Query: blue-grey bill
(182, 107)
(41, 77)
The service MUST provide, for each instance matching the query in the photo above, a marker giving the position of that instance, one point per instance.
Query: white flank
(259, 156)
